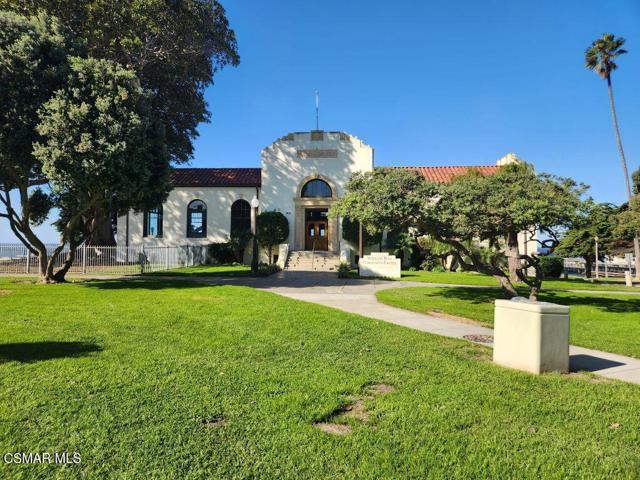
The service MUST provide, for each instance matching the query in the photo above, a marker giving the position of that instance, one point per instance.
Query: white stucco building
(300, 175)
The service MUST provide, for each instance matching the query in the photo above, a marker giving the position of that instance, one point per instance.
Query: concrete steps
(306, 261)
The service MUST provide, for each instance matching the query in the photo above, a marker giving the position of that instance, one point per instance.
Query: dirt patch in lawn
(380, 388)
(354, 409)
(333, 428)
(214, 422)
(4, 292)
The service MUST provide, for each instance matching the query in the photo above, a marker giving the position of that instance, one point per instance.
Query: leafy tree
(551, 266)
(635, 182)
(33, 65)
(175, 47)
(87, 136)
(601, 58)
(472, 208)
(401, 243)
(627, 220)
(594, 220)
(351, 233)
(390, 199)
(495, 209)
(239, 240)
(272, 228)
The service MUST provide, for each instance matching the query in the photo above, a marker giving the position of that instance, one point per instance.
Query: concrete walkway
(358, 296)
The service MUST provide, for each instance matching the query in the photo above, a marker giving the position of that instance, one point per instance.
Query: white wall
(284, 168)
(174, 225)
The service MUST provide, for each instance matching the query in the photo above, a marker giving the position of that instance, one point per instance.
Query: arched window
(240, 217)
(197, 219)
(316, 188)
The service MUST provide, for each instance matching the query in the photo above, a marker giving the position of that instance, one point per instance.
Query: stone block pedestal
(531, 336)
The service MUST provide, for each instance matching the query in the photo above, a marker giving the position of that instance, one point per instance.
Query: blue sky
(430, 83)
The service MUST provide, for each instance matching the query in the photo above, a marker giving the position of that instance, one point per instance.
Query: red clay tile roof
(445, 174)
(216, 177)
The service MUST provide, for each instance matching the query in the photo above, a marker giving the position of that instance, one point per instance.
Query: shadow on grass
(37, 351)
(231, 271)
(143, 284)
(604, 303)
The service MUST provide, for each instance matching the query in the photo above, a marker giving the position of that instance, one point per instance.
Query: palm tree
(600, 57)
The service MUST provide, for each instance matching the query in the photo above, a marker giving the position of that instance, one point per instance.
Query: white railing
(117, 260)
(605, 269)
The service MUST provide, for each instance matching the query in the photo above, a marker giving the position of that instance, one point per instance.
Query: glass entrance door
(316, 234)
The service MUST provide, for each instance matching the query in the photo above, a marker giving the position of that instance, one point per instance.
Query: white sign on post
(379, 264)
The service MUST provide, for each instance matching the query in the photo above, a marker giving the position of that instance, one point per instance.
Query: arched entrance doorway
(314, 229)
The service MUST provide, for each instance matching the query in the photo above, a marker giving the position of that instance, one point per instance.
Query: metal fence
(118, 260)
(605, 269)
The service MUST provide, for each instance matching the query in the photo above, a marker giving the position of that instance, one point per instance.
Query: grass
(472, 278)
(235, 270)
(606, 322)
(168, 379)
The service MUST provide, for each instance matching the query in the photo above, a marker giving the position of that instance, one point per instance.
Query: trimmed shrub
(343, 270)
(266, 269)
(551, 266)
(221, 253)
(272, 229)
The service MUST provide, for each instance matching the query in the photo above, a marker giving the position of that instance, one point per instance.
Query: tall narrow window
(153, 223)
(240, 218)
(197, 219)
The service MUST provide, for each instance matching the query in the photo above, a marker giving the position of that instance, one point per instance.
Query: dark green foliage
(174, 47)
(222, 253)
(551, 266)
(635, 182)
(600, 56)
(40, 204)
(594, 220)
(343, 270)
(402, 243)
(473, 207)
(266, 269)
(430, 262)
(238, 242)
(272, 228)
(82, 127)
(351, 233)
(99, 140)
(33, 65)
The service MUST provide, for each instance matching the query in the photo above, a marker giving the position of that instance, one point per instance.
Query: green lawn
(167, 379)
(602, 321)
(206, 271)
(472, 278)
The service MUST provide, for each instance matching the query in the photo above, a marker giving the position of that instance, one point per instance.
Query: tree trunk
(636, 242)
(588, 265)
(101, 229)
(42, 264)
(507, 286)
(513, 256)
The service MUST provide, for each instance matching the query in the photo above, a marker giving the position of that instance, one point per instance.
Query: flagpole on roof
(317, 110)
